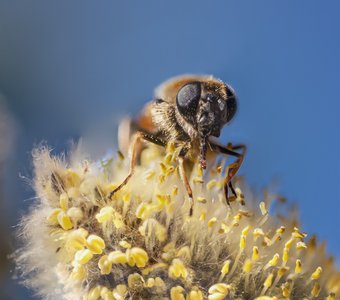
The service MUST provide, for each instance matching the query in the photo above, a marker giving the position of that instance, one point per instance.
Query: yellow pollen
(298, 266)
(63, 201)
(331, 296)
(212, 222)
(285, 255)
(83, 256)
(117, 257)
(53, 217)
(94, 293)
(150, 174)
(64, 221)
(219, 291)
(176, 293)
(203, 216)
(201, 200)
(105, 265)
(195, 295)
(105, 214)
(257, 233)
(174, 191)
(316, 289)
(273, 262)
(137, 256)
(95, 244)
(301, 246)
(289, 243)
(317, 273)
(177, 269)
(255, 255)
(247, 266)
(125, 244)
(78, 272)
(119, 292)
(211, 184)
(246, 230)
(225, 268)
(242, 242)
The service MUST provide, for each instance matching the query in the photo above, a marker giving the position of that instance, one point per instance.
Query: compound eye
(231, 103)
(187, 99)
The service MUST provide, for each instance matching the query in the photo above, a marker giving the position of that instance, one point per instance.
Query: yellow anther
(126, 197)
(298, 266)
(64, 221)
(289, 243)
(224, 228)
(199, 170)
(242, 242)
(150, 282)
(255, 255)
(63, 201)
(331, 296)
(94, 293)
(245, 230)
(211, 184)
(72, 178)
(176, 293)
(95, 243)
(118, 220)
(265, 298)
(301, 246)
(171, 147)
(78, 272)
(281, 230)
(201, 200)
(117, 257)
(76, 240)
(119, 292)
(298, 234)
(268, 282)
(212, 222)
(105, 214)
(257, 233)
(285, 255)
(263, 208)
(53, 217)
(225, 268)
(282, 271)
(273, 262)
(177, 269)
(247, 265)
(73, 192)
(286, 289)
(203, 216)
(174, 191)
(316, 290)
(184, 252)
(159, 282)
(195, 295)
(105, 265)
(136, 282)
(317, 273)
(198, 180)
(219, 291)
(137, 256)
(143, 211)
(163, 168)
(168, 158)
(75, 213)
(125, 244)
(83, 256)
(106, 294)
(150, 174)
(148, 270)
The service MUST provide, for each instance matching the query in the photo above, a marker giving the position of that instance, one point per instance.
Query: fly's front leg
(137, 138)
(184, 178)
(232, 168)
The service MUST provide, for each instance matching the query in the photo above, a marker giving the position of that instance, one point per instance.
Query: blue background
(74, 68)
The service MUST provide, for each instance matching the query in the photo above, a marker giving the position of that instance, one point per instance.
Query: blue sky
(73, 68)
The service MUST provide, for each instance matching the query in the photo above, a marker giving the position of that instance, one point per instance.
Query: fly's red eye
(187, 99)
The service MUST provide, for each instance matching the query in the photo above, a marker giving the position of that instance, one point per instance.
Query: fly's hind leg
(232, 168)
(137, 138)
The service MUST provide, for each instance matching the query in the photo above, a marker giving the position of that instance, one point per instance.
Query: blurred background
(71, 69)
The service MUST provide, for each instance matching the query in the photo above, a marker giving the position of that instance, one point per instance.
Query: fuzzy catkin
(142, 243)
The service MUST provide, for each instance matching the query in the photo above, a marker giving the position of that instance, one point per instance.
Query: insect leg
(136, 139)
(184, 178)
(232, 168)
